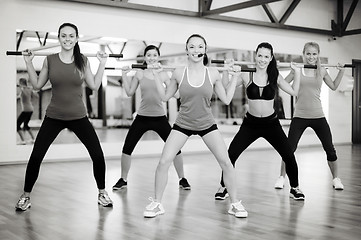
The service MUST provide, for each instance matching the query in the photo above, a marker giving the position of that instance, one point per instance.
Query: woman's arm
(225, 93)
(94, 81)
(327, 79)
(36, 81)
(286, 86)
(168, 91)
(130, 85)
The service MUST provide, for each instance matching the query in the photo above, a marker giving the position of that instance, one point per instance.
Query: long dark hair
(148, 48)
(78, 57)
(205, 59)
(272, 70)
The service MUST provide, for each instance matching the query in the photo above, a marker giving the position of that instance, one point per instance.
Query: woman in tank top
(309, 112)
(26, 95)
(150, 116)
(261, 119)
(66, 71)
(196, 84)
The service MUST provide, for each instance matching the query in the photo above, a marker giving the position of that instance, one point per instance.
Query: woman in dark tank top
(261, 119)
(66, 70)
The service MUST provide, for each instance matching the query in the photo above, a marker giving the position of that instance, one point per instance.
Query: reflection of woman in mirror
(196, 84)
(261, 119)
(66, 71)
(309, 113)
(26, 94)
(150, 116)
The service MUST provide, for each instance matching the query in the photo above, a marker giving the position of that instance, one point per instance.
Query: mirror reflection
(110, 107)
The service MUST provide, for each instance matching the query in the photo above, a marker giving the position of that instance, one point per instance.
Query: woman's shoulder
(179, 71)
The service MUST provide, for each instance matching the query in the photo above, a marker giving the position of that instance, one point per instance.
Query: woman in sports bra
(261, 119)
(309, 112)
(150, 116)
(196, 84)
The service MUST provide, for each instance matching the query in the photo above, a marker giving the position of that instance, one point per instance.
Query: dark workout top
(67, 92)
(254, 93)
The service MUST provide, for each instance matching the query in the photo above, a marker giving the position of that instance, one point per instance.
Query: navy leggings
(142, 124)
(49, 130)
(270, 129)
(322, 130)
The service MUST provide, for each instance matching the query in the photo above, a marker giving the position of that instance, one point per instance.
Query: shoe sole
(222, 198)
(106, 205)
(278, 187)
(116, 188)
(184, 188)
(243, 215)
(337, 188)
(297, 199)
(153, 215)
(22, 210)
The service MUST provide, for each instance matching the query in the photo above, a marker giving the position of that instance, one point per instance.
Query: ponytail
(79, 59)
(205, 59)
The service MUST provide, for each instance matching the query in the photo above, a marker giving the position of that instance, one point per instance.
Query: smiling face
(151, 56)
(263, 57)
(310, 55)
(67, 37)
(195, 46)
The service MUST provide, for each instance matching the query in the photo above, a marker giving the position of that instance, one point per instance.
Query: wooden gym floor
(64, 200)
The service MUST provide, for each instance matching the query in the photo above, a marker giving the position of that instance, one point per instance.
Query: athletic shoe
(120, 184)
(23, 203)
(222, 193)
(104, 199)
(153, 209)
(183, 183)
(238, 210)
(296, 194)
(337, 184)
(280, 183)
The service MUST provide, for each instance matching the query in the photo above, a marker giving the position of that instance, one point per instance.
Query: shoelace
(152, 205)
(239, 206)
(23, 200)
(298, 191)
(105, 196)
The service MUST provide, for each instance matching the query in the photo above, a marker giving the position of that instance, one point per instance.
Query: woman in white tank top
(195, 96)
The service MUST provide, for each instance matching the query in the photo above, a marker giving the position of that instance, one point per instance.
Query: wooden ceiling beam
(237, 6)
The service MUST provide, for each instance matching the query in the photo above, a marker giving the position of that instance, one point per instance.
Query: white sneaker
(280, 183)
(153, 209)
(238, 210)
(337, 184)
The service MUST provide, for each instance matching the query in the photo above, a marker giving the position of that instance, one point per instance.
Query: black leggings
(322, 130)
(49, 130)
(142, 124)
(270, 129)
(24, 117)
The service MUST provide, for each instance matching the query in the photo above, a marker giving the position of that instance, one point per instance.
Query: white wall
(116, 22)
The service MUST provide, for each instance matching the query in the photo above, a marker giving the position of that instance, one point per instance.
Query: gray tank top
(195, 109)
(67, 92)
(151, 104)
(308, 101)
